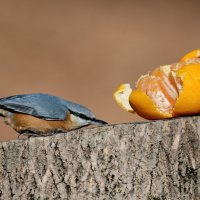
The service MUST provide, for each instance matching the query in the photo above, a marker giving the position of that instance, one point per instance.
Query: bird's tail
(95, 121)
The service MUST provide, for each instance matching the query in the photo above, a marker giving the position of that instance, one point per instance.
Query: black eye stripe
(80, 115)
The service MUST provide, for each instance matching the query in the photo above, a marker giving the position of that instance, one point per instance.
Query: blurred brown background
(83, 50)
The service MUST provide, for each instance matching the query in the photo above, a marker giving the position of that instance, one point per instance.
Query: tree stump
(153, 160)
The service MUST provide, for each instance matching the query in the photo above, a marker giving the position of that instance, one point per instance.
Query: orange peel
(121, 96)
(169, 91)
(191, 55)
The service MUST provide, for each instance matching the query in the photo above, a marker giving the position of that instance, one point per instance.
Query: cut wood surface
(153, 160)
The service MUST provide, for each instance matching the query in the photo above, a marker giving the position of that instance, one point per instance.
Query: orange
(169, 91)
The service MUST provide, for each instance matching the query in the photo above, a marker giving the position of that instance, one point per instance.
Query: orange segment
(159, 88)
(157, 92)
(167, 86)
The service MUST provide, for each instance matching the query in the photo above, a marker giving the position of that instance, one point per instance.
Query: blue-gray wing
(78, 109)
(43, 106)
(39, 105)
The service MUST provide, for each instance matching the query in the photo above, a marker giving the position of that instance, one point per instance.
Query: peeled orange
(168, 91)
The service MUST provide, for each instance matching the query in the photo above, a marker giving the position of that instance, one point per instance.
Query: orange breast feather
(21, 122)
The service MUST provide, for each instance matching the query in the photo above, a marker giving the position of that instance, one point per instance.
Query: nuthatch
(40, 114)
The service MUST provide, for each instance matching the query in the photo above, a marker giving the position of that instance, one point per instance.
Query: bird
(43, 114)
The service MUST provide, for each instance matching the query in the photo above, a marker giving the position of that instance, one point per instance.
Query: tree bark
(153, 160)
